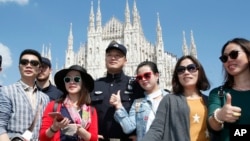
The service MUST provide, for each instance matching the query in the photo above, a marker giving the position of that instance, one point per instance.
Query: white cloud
(6, 55)
(6, 61)
(20, 2)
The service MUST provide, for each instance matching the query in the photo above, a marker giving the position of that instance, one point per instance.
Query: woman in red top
(79, 120)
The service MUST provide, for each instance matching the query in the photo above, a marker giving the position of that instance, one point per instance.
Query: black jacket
(104, 87)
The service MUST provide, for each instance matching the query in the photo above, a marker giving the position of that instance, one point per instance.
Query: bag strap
(32, 126)
(221, 94)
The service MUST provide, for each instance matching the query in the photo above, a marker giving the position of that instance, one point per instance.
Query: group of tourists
(118, 107)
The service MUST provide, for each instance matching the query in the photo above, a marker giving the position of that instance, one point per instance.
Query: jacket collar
(115, 77)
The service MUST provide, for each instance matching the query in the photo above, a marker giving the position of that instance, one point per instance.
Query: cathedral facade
(91, 54)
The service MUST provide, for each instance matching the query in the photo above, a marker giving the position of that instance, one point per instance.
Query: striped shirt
(16, 113)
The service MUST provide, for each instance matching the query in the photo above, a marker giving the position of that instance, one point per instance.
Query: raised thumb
(118, 93)
(228, 99)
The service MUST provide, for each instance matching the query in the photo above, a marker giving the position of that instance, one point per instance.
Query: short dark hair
(202, 82)
(33, 52)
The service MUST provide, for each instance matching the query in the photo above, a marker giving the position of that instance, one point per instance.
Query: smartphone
(56, 115)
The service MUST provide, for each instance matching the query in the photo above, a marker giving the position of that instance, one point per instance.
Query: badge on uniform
(98, 92)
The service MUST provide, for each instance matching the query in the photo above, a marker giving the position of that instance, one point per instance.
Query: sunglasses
(146, 76)
(190, 68)
(233, 55)
(75, 79)
(25, 62)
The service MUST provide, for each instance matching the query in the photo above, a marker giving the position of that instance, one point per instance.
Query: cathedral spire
(49, 56)
(98, 18)
(159, 30)
(135, 15)
(70, 38)
(69, 52)
(91, 19)
(127, 14)
(160, 45)
(43, 51)
(193, 51)
(184, 45)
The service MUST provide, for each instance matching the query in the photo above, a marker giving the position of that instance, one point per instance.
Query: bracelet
(52, 130)
(215, 116)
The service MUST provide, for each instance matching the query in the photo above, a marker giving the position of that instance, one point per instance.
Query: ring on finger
(236, 114)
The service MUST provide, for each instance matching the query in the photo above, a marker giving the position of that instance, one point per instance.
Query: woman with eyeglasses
(71, 118)
(229, 103)
(143, 110)
(182, 116)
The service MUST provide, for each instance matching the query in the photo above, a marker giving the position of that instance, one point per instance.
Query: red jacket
(47, 121)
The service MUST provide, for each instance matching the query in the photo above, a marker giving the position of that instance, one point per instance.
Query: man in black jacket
(115, 80)
(43, 81)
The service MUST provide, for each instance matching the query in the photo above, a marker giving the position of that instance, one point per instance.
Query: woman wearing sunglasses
(75, 119)
(143, 110)
(182, 116)
(230, 109)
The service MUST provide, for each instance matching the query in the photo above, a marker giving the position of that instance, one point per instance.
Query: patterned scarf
(86, 113)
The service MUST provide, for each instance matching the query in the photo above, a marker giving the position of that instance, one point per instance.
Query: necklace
(240, 88)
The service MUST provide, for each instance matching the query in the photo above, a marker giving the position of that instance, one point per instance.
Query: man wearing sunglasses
(43, 81)
(22, 103)
(115, 80)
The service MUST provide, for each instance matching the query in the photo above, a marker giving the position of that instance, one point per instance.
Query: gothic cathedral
(91, 55)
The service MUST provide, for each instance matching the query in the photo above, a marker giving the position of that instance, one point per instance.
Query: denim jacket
(137, 117)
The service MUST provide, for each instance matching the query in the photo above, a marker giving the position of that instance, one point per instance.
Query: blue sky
(34, 23)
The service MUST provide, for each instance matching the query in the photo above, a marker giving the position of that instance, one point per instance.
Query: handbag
(26, 136)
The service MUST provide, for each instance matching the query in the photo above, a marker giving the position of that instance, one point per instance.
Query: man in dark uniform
(43, 82)
(109, 129)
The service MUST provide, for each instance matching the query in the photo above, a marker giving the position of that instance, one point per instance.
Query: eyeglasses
(68, 79)
(25, 62)
(233, 55)
(190, 68)
(146, 75)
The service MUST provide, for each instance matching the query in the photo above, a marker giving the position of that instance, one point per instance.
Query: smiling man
(21, 103)
(115, 80)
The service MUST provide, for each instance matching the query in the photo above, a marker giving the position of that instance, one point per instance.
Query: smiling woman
(143, 110)
(231, 109)
(78, 119)
(182, 116)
